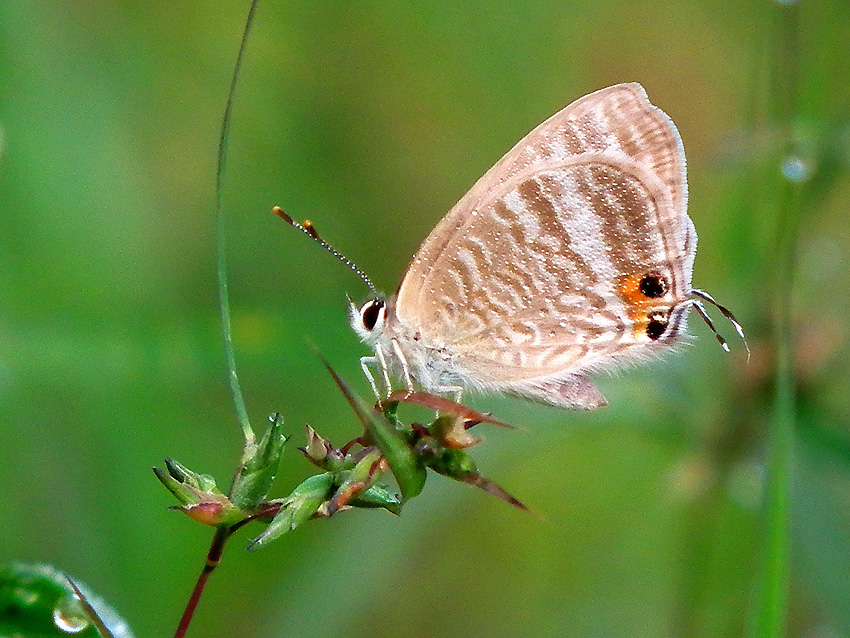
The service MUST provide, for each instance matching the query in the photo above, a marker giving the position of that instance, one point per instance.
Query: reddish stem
(213, 559)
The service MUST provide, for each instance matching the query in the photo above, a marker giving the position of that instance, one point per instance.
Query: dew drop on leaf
(69, 617)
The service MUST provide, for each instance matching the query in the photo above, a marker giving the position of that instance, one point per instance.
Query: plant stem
(774, 586)
(224, 533)
(212, 561)
(224, 301)
(773, 602)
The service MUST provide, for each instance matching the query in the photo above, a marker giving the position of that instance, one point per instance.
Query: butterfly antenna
(308, 229)
(702, 313)
(726, 313)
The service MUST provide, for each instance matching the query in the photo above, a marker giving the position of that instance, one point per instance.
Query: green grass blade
(221, 252)
(772, 610)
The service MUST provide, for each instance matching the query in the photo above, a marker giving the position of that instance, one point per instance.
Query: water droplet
(69, 617)
(787, 3)
(796, 169)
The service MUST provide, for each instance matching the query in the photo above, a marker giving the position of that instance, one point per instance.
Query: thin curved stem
(221, 253)
(222, 534)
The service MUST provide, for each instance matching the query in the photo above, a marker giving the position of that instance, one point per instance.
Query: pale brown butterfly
(572, 254)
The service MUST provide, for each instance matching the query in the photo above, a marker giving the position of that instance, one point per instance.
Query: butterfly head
(368, 319)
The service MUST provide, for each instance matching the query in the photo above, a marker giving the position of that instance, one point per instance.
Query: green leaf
(37, 601)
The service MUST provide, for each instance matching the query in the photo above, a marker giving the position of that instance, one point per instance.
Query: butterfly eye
(371, 313)
(656, 327)
(653, 286)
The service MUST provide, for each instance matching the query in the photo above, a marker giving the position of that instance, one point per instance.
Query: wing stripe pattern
(550, 289)
(521, 286)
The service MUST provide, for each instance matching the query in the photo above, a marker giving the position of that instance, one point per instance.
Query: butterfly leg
(455, 391)
(385, 369)
(378, 361)
(405, 369)
(365, 362)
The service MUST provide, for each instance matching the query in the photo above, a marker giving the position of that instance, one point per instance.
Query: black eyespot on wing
(656, 328)
(370, 313)
(653, 286)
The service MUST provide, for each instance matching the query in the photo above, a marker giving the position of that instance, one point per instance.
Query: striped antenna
(308, 229)
(724, 311)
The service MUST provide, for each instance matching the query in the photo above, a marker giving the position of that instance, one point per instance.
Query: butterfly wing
(533, 277)
(618, 119)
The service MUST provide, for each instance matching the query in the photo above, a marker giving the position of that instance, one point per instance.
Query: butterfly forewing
(617, 120)
(532, 286)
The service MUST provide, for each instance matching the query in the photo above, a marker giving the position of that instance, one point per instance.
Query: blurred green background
(372, 119)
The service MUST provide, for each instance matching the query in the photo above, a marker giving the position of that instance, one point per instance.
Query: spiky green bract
(297, 508)
(181, 473)
(378, 497)
(456, 463)
(198, 495)
(409, 473)
(356, 475)
(406, 466)
(254, 479)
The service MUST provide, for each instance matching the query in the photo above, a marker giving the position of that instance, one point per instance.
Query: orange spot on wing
(639, 305)
(629, 288)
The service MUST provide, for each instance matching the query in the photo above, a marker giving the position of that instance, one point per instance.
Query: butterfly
(573, 254)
